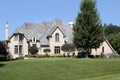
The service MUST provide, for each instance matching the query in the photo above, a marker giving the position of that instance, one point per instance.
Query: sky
(17, 12)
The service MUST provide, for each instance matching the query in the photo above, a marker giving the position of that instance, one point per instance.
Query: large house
(44, 35)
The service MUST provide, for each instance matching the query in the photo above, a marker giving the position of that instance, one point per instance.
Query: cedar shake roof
(42, 30)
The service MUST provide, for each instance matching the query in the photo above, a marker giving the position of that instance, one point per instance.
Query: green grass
(60, 69)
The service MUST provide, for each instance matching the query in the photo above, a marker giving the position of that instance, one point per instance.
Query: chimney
(71, 23)
(6, 31)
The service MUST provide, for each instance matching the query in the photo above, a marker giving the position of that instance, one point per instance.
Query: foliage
(88, 31)
(81, 55)
(33, 50)
(56, 55)
(110, 29)
(114, 39)
(20, 58)
(3, 47)
(3, 51)
(117, 56)
(46, 50)
(61, 69)
(40, 56)
(112, 33)
(68, 47)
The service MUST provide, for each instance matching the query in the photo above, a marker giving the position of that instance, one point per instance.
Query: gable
(57, 30)
(12, 36)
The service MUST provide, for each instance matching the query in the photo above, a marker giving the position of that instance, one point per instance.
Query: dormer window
(18, 37)
(57, 37)
(34, 39)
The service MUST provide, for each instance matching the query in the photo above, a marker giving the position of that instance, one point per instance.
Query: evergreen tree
(88, 31)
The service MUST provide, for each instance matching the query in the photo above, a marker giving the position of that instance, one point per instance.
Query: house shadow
(2, 65)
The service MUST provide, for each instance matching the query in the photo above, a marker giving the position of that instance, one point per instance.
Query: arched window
(57, 37)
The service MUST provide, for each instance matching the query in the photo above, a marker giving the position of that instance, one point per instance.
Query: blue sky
(17, 12)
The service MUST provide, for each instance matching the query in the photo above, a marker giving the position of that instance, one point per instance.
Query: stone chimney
(6, 31)
(71, 23)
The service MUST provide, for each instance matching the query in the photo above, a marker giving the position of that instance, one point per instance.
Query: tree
(88, 31)
(109, 29)
(114, 39)
(68, 48)
(33, 50)
(3, 51)
(112, 32)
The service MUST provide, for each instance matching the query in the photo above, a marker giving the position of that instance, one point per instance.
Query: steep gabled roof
(42, 30)
(114, 52)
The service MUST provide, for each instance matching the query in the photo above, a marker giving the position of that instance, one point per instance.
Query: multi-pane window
(57, 49)
(57, 37)
(18, 37)
(16, 49)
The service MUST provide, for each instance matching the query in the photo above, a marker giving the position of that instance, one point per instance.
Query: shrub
(20, 58)
(117, 56)
(40, 56)
(33, 50)
(81, 55)
(68, 48)
(102, 55)
(46, 51)
(2, 58)
(29, 55)
(56, 55)
(73, 54)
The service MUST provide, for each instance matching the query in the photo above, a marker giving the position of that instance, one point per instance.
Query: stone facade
(50, 35)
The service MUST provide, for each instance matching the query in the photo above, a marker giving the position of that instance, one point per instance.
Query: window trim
(16, 37)
(16, 49)
(56, 49)
(57, 37)
(34, 39)
(20, 49)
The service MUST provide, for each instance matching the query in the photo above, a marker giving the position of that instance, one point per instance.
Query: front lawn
(60, 69)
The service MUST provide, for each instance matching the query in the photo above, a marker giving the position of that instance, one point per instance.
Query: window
(34, 39)
(57, 49)
(57, 37)
(20, 37)
(16, 37)
(102, 49)
(20, 49)
(16, 49)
